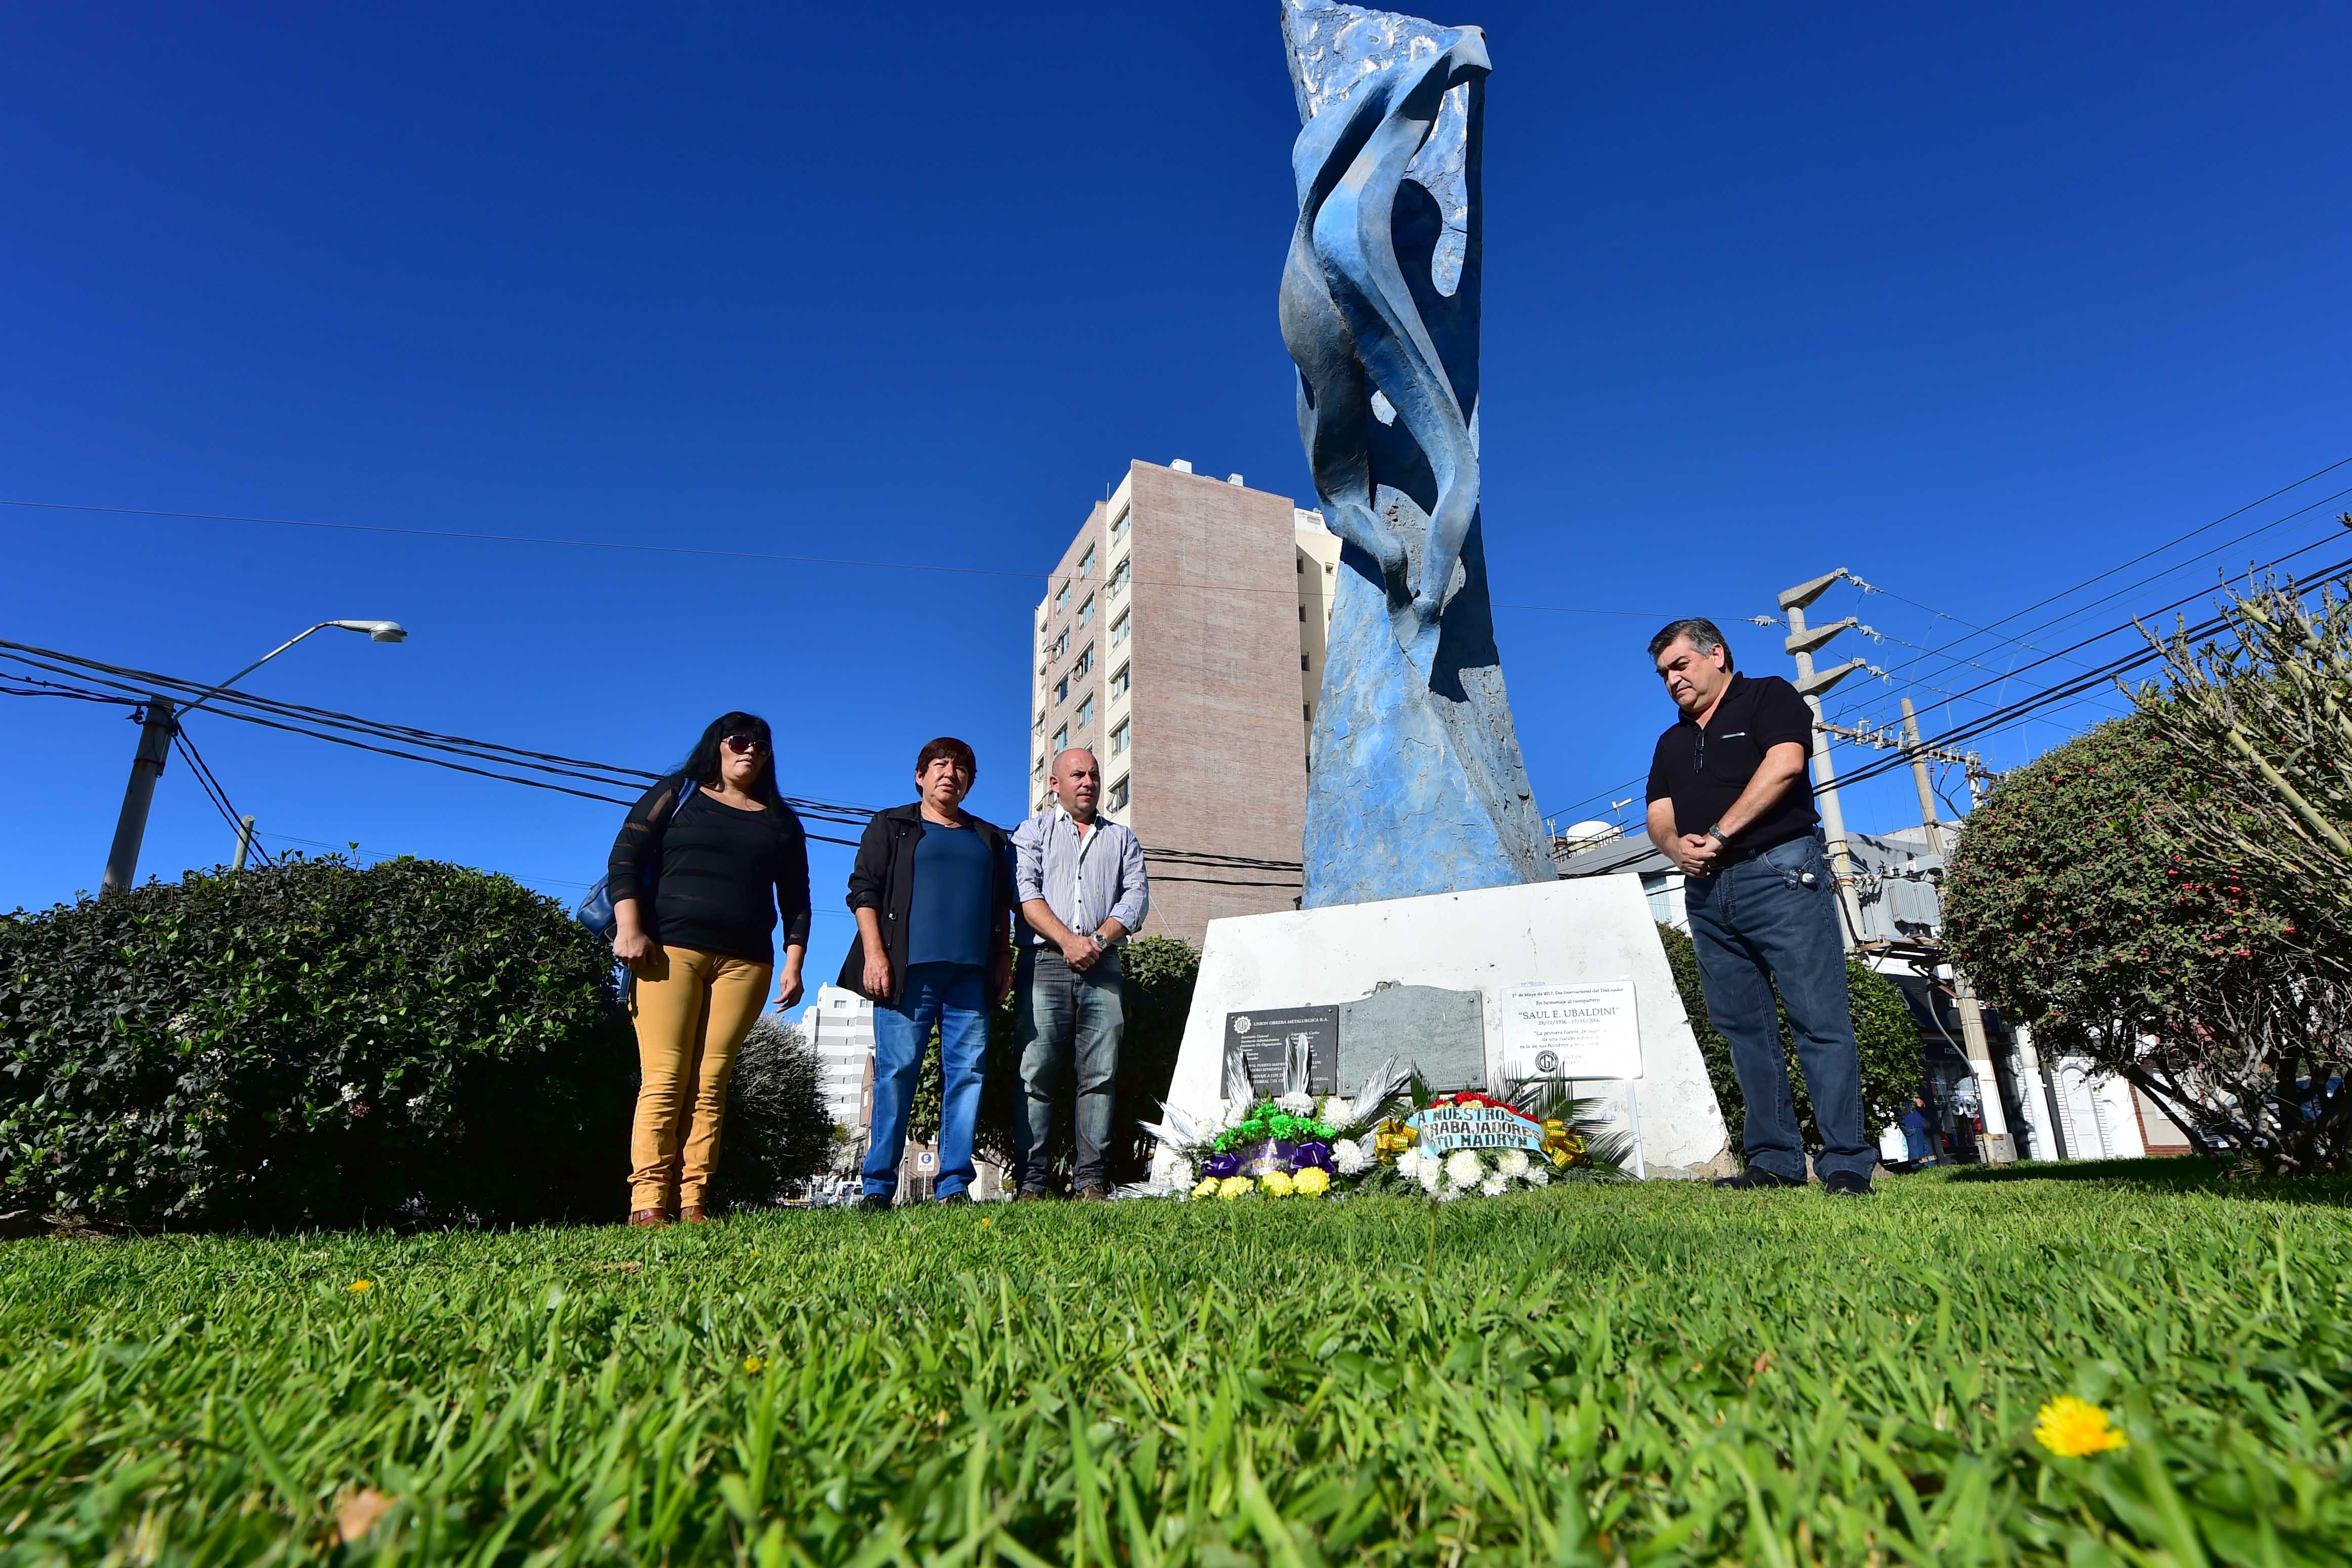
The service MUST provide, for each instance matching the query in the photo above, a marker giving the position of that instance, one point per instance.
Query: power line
(212, 788)
(2155, 577)
(321, 723)
(2002, 717)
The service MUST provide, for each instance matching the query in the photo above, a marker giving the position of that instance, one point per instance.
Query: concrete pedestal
(1488, 940)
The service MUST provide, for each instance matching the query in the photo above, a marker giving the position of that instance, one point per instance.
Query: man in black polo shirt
(1732, 806)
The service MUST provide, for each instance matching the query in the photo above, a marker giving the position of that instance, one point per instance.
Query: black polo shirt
(1703, 774)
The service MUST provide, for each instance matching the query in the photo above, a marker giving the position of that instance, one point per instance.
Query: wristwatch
(1096, 937)
(1715, 832)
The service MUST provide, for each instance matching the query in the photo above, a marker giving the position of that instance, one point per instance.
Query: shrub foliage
(2264, 715)
(2065, 907)
(777, 1132)
(1889, 1042)
(311, 1043)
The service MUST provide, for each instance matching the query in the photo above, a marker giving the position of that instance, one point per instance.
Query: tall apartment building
(1181, 640)
(839, 1028)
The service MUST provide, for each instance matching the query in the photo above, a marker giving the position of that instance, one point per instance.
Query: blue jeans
(1758, 926)
(1060, 1011)
(953, 996)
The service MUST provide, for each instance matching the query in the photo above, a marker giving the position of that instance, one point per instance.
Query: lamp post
(160, 722)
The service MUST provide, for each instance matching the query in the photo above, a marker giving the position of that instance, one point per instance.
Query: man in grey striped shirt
(1081, 883)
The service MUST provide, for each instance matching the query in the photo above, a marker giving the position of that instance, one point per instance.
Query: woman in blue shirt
(932, 891)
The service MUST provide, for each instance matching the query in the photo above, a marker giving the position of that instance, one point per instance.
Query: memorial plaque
(1580, 1030)
(1272, 1045)
(1441, 1033)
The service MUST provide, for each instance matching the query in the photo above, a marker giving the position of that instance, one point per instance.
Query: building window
(1086, 713)
(1061, 740)
(1117, 799)
(1086, 662)
(1061, 646)
(1039, 727)
(1037, 768)
(1118, 526)
(1119, 575)
(1302, 615)
(1087, 564)
(1306, 712)
(1118, 681)
(1119, 738)
(1302, 661)
(1062, 597)
(1302, 566)
(1062, 690)
(1087, 613)
(1119, 628)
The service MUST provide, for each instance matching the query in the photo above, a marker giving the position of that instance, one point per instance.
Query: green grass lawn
(1587, 1374)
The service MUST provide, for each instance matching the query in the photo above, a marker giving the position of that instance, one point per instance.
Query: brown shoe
(653, 1218)
(1092, 1194)
(694, 1214)
(1032, 1194)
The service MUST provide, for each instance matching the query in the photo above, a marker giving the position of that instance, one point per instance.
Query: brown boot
(694, 1214)
(1092, 1194)
(651, 1217)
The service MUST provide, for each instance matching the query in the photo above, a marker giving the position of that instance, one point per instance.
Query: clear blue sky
(1977, 301)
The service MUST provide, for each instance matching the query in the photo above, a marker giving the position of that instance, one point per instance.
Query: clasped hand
(1694, 853)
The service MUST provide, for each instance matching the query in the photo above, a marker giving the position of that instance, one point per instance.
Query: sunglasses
(743, 745)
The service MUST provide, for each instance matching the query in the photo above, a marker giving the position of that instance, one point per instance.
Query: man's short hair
(1072, 751)
(1704, 638)
(954, 750)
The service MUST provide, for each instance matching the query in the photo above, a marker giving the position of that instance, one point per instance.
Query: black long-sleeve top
(720, 877)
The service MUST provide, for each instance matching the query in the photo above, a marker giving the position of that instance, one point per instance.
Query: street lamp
(161, 722)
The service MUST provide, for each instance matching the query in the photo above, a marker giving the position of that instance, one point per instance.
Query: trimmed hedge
(778, 1132)
(312, 1043)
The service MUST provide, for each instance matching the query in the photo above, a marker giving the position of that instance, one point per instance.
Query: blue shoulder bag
(595, 910)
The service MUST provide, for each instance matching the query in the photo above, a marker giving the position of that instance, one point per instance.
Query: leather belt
(1730, 856)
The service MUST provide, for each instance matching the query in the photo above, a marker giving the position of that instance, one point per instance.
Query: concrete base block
(1487, 941)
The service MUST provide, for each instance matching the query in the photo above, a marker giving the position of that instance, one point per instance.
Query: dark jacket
(883, 880)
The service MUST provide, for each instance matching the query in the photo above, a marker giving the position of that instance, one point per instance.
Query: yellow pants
(692, 1011)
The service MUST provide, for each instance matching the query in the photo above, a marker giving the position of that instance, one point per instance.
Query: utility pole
(155, 731)
(1999, 1148)
(244, 842)
(155, 745)
(1810, 684)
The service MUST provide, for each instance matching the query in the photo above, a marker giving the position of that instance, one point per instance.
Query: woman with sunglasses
(704, 868)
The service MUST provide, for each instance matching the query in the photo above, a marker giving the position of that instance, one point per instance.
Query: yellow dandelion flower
(362, 1287)
(1234, 1186)
(755, 1364)
(1312, 1182)
(2074, 1429)
(987, 1220)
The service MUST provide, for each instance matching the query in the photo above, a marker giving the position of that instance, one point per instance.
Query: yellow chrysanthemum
(2074, 1429)
(362, 1287)
(1276, 1184)
(1234, 1186)
(1208, 1187)
(1312, 1182)
(755, 1364)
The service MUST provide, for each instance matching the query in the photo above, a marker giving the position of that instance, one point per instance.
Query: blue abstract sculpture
(1416, 784)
